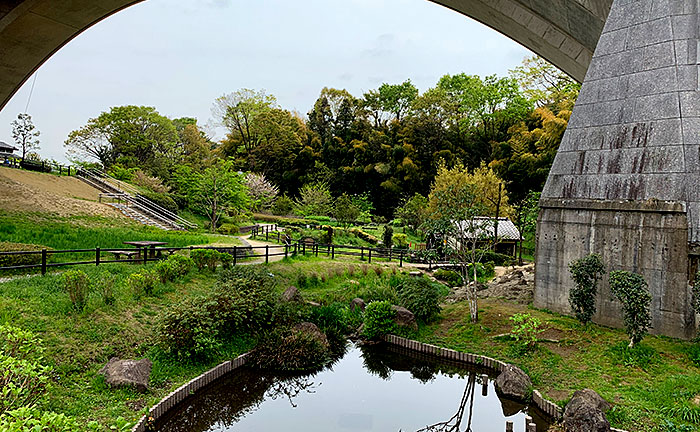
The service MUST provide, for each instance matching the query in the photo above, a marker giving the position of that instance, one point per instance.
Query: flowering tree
(261, 191)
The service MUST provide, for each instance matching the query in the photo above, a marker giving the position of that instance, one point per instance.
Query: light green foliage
(379, 319)
(165, 270)
(525, 330)
(400, 241)
(18, 260)
(412, 211)
(283, 206)
(451, 278)
(23, 377)
(143, 283)
(585, 273)
(210, 258)
(421, 297)
(631, 290)
(77, 284)
(182, 265)
(314, 200)
(25, 134)
(104, 285)
(345, 209)
(30, 419)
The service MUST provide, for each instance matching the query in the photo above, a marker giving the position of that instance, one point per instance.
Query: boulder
(313, 330)
(127, 373)
(404, 317)
(357, 303)
(585, 412)
(513, 383)
(291, 294)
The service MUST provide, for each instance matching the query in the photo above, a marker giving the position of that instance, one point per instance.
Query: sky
(180, 55)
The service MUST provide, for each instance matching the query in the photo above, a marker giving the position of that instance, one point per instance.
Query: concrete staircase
(131, 203)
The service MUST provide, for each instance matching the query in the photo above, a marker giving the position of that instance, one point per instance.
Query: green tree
(631, 289)
(215, 191)
(239, 112)
(345, 209)
(413, 211)
(25, 134)
(585, 273)
(544, 84)
(314, 200)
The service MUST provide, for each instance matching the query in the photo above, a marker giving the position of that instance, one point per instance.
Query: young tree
(345, 210)
(631, 289)
(238, 112)
(315, 199)
(25, 134)
(413, 211)
(388, 237)
(454, 216)
(261, 192)
(214, 191)
(585, 272)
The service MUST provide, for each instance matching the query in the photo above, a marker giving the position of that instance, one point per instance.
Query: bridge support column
(625, 183)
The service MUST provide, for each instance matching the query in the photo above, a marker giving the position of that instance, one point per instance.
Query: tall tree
(238, 112)
(25, 134)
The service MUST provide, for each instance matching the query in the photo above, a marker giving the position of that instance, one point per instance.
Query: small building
(7, 151)
(482, 230)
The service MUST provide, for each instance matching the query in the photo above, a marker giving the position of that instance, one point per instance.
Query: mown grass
(78, 344)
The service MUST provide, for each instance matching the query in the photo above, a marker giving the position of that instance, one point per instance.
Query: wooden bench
(130, 255)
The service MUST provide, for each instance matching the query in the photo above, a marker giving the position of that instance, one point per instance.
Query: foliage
(314, 199)
(162, 199)
(262, 193)
(412, 211)
(345, 209)
(142, 283)
(182, 265)
(388, 237)
(421, 297)
(400, 241)
(77, 284)
(23, 379)
(18, 260)
(165, 270)
(544, 84)
(122, 173)
(228, 229)
(369, 238)
(379, 320)
(696, 292)
(525, 330)
(25, 134)
(283, 206)
(631, 290)
(640, 356)
(210, 258)
(452, 278)
(30, 419)
(585, 273)
(289, 350)
(153, 184)
(188, 330)
(214, 192)
(105, 286)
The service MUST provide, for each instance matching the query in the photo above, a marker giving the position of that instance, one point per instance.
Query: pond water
(377, 388)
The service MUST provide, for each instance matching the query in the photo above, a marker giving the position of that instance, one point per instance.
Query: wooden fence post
(235, 255)
(43, 262)
(332, 252)
(145, 255)
(362, 253)
(267, 234)
(267, 254)
(304, 251)
(286, 250)
(370, 255)
(401, 259)
(97, 256)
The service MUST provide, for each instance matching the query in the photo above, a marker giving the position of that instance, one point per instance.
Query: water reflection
(369, 389)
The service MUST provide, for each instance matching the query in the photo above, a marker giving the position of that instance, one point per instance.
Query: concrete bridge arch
(563, 31)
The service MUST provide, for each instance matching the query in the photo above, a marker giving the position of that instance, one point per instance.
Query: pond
(371, 388)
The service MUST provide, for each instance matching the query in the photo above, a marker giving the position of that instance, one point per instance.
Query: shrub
(452, 278)
(327, 234)
(142, 283)
(181, 264)
(23, 380)
(163, 200)
(387, 238)
(165, 270)
(283, 206)
(154, 184)
(188, 330)
(228, 229)
(525, 330)
(497, 258)
(18, 260)
(400, 241)
(631, 290)
(290, 350)
(585, 273)
(369, 238)
(30, 419)
(240, 304)
(105, 286)
(638, 356)
(77, 284)
(206, 258)
(226, 260)
(420, 297)
(379, 320)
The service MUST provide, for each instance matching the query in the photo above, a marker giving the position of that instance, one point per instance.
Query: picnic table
(143, 244)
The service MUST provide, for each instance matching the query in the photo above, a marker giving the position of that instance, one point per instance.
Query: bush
(327, 234)
(585, 273)
(206, 258)
(228, 229)
(400, 241)
(640, 356)
(77, 284)
(290, 350)
(30, 419)
(379, 320)
(189, 331)
(181, 264)
(226, 260)
(452, 278)
(631, 290)
(283, 206)
(165, 270)
(369, 238)
(142, 283)
(105, 286)
(18, 260)
(162, 199)
(23, 380)
(420, 297)
(387, 237)
(525, 330)
(497, 258)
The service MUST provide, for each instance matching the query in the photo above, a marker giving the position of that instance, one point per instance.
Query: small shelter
(7, 151)
(482, 230)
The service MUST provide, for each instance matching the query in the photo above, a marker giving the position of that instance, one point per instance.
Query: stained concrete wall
(563, 31)
(646, 238)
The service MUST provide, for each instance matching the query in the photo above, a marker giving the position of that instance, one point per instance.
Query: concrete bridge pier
(626, 181)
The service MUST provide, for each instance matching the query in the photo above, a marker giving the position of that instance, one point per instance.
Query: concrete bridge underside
(563, 31)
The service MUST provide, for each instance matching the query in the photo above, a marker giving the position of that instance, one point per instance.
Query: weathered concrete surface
(563, 31)
(634, 136)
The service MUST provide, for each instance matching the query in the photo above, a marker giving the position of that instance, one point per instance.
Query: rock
(291, 294)
(357, 303)
(127, 373)
(404, 317)
(313, 330)
(415, 274)
(515, 284)
(586, 413)
(514, 383)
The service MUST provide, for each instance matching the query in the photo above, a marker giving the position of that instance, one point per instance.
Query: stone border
(185, 390)
(547, 407)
